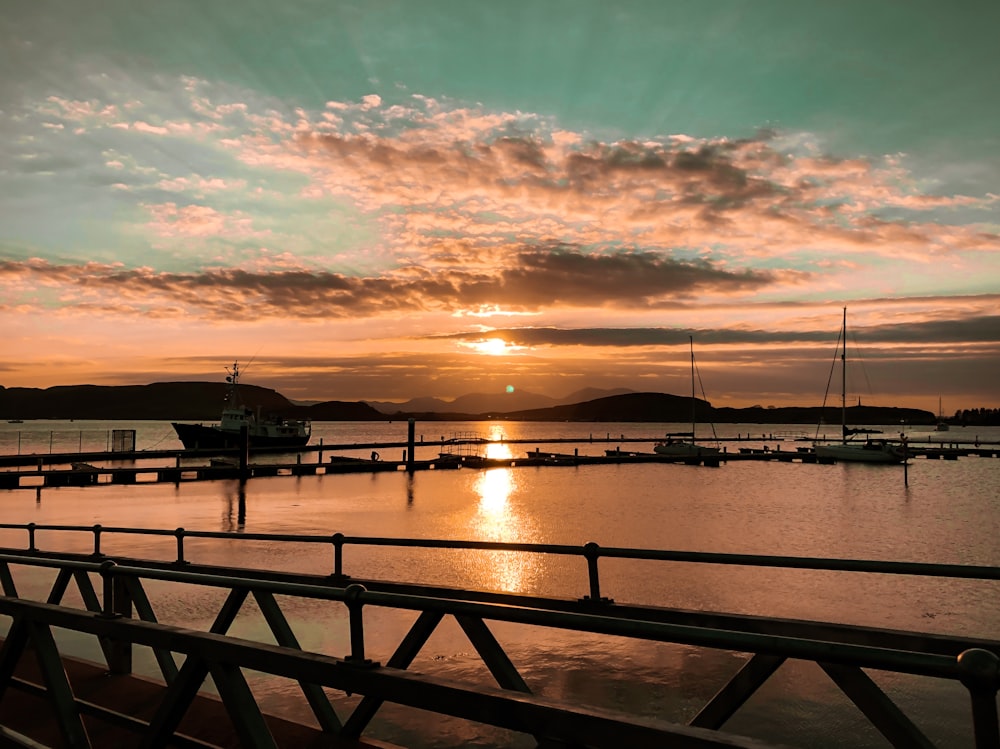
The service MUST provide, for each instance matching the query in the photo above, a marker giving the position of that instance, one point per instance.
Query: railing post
(354, 608)
(592, 551)
(119, 652)
(97, 540)
(180, 546)
(338, 556)
(108, 577)
(981, 676)
(31, 537)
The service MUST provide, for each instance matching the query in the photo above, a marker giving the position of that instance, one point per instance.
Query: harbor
(471, 451)
(758, 545)
(82, 473)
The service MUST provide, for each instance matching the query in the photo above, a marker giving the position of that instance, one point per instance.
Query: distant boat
(675, 443)
(848, 450)
(262, 431)
(942, 425)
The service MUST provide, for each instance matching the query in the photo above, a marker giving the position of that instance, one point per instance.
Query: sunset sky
(383, 199)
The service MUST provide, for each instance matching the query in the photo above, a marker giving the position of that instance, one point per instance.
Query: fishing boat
(683, 444)
(850, 450)
(262, 431)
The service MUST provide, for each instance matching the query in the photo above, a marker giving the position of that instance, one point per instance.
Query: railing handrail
(588, 550)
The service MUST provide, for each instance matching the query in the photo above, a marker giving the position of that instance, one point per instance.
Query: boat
(849, 450)
(942, 425)
(683, 444)
(262, 431)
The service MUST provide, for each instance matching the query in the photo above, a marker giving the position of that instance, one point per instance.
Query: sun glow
(491, 346)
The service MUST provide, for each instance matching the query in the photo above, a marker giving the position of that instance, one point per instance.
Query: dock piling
(410, 430)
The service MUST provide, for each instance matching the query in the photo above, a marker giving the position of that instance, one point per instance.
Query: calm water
(948, 513)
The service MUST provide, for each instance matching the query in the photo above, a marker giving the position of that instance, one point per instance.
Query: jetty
(102, 468)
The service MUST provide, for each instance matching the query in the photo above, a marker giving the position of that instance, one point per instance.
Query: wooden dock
(91, 469)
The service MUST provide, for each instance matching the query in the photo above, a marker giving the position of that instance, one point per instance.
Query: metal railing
(844, 652)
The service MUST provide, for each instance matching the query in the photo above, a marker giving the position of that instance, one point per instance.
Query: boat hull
(862, 453)
(684, 450)
(201, 437)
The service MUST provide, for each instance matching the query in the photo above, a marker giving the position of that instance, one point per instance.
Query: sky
(385, 199)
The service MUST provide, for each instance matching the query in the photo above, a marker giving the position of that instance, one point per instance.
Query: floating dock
(122, 468)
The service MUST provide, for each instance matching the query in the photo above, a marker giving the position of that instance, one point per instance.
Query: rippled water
(948, 512)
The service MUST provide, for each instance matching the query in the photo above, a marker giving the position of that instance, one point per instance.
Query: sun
(491, 346)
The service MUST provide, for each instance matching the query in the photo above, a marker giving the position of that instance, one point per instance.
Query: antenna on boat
(693, 419)
(252, 358)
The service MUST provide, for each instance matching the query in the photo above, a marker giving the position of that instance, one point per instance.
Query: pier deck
(115, 705)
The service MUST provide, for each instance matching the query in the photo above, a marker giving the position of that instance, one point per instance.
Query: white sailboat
(942, 425)
(674, 443)
(848, 449)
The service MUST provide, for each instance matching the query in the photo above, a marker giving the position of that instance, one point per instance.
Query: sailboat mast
(843, 380)
(693, 419)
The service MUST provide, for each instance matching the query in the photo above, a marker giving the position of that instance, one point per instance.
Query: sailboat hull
(865, 452)
(683, 449)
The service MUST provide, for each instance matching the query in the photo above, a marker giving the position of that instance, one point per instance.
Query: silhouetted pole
(241, 504)
(241, 510)
(244, 452)
(410, 430)
(906, 464)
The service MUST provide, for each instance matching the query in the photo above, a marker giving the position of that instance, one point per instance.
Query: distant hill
(203, 401)
(181, 401)
(660, 407)
(481, 403)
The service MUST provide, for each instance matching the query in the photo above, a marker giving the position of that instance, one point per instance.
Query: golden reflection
(494, 488)
(497, 519)
(498, 451)
(496, 435)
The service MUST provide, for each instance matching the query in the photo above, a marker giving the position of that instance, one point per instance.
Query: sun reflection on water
(495, 449)
(498, 518)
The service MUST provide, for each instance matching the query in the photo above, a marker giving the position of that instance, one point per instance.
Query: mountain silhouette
(478, 403)
(204, 401)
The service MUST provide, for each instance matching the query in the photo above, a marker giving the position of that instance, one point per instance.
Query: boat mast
(843, 381)
(233, 378)
(693, 420)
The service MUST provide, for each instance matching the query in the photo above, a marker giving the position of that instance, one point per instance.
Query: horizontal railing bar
(455, 544)
(922, 569)
(807, 629)
(51, 562)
